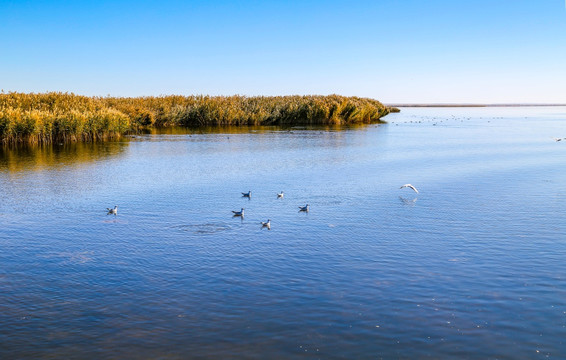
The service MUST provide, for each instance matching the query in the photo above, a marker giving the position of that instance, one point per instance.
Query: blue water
(474, 266)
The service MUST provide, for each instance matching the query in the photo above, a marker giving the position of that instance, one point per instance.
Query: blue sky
(391, 50)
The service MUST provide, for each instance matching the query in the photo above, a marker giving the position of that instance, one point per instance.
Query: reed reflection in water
(24, 157)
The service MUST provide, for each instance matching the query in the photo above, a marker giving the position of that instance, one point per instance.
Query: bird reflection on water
(406, 201)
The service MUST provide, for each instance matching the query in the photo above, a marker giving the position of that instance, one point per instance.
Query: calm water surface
(474, 266)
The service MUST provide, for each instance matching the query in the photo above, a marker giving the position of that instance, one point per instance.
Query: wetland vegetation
(63, 117)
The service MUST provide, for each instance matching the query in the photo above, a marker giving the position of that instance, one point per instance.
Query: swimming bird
(304, 208)
(410, 186)
(113, 211)
(239, 213)
(558, 139)
(266, 224)
(280, 195)
(248, 194)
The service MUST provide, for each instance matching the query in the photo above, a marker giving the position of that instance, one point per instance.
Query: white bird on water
(113, 211)
(304, 208)
(248, 194)
(410, 186)
(266, 224)
(239, 213)
(558, 139)
(280, 195)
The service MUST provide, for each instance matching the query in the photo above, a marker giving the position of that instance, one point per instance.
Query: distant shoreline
(470, 105)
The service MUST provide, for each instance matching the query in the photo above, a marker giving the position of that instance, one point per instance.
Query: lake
(473, 266)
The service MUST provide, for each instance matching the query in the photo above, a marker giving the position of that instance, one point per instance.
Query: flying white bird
(248, 194)
(304, 208)
(410, 186)
(558, 139)
(113, 211)
(239, 213)
(280, 195)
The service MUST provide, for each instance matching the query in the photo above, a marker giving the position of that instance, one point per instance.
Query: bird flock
(306, 208)
(264, 224)
(438, 120)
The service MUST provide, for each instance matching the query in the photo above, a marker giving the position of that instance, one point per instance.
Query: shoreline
(471, 105)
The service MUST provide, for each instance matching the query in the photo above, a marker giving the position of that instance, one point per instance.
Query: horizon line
(469, 104)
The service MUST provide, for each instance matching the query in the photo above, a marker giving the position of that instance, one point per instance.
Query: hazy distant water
(474, 266)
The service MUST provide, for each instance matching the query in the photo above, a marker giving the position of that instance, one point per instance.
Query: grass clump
(63, 117)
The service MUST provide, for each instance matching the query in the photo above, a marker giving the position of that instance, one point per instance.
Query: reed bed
(64, 117)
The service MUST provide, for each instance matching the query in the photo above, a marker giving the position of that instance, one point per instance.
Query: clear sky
(426, 51)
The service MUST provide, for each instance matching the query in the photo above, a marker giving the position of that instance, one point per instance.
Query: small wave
(208, 228)
(75, 257)
(114, 221)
